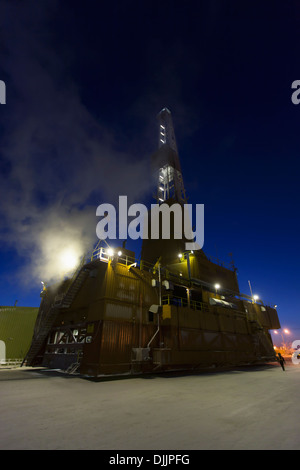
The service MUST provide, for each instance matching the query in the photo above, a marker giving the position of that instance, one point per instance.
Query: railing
(183, 302)
(10, 362)
(103, 254)
(224, 264)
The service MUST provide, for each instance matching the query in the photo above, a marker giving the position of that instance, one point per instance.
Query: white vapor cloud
(56, 158)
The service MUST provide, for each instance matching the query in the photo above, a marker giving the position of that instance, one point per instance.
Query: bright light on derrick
(68, 259)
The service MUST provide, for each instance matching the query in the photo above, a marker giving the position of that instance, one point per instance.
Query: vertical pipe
(188, 294)
(188, 264)
(159, 284)
(141, 317)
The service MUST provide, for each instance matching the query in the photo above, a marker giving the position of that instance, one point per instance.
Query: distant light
(286, 331)
(255, 297)
(217, 286)
(110, 252)
(276, 332)
(119, 253)
(180, 255)
(275, 306)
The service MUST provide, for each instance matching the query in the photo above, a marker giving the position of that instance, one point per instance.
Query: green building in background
(16, 330)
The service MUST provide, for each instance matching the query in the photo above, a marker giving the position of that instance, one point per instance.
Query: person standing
(281, 361)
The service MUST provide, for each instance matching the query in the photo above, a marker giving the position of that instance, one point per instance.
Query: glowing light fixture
(110, 252)
(68, 260)
(119, 253)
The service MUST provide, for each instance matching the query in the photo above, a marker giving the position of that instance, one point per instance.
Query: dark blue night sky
(85, 81)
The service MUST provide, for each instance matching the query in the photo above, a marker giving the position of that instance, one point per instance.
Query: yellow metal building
(164, 312)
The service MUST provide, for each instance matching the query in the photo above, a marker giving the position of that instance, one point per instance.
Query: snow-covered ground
(255, 408)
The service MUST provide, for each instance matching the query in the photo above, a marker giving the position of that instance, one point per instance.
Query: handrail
(100, 253)
(170, 299)
(10, 362)
(182, 302)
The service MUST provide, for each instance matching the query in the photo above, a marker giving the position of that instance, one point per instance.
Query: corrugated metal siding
(120, 311)
(118, 339)
(241, 325)
(189, 318)
(16, 329)
(122, 284)
(273, 318)
(227, 322)
(209, 321)
(124, 297)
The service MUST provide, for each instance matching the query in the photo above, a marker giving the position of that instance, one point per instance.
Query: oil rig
(171, 309)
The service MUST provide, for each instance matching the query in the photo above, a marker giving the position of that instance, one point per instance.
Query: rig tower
(166, 164)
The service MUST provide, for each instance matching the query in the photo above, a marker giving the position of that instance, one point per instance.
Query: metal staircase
(46, 319)
(48, 313)
(73, 368)
(74, 287)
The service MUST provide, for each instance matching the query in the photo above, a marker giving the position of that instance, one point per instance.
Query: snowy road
(256, 408)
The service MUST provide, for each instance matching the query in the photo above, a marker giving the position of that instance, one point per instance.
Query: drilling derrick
(170, 190)
(166, 164)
